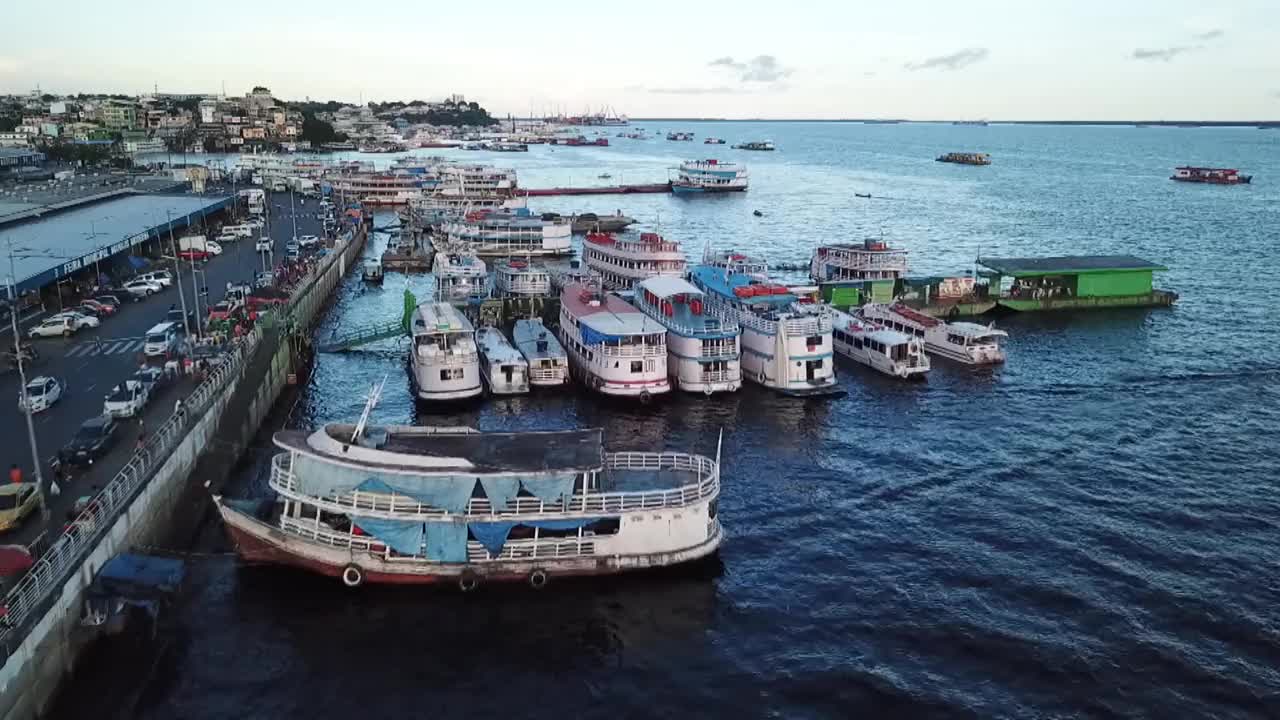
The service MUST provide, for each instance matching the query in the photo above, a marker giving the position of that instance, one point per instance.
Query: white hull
(789, 365)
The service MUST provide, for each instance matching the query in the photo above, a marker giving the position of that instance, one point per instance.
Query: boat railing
(434, 357)
(528, 548)
(551, 373)
(858, 259)
(711, 376)
(633, 351)
(395, 506)
(710, 323)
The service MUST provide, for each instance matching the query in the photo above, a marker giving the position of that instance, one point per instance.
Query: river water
(1091, 530)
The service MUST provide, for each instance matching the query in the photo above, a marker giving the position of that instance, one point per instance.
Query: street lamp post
(177, 275)
(22, 378)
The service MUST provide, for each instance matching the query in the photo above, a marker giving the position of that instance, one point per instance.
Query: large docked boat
(613, 348)
(548, 363)
(503, 368)
(460, 275)
(477, 179)
(786, 343)
(445, 205)
(709, 176)
(869, 260)
(1212, 176)
(886, 351)
(419, 505)
(623, 261)
(521, 278)
(963, 342)
(517, 232)
(702, 349)
(443, 361)
(381, 188)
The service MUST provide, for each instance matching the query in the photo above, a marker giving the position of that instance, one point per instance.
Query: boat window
(637, 366)
(857, 342)
(813, 340)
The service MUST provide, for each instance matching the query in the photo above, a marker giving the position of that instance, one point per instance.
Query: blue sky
(998, 59)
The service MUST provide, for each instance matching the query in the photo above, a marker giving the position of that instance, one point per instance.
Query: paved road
(89, 370)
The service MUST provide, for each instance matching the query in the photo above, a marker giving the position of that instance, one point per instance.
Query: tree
(318, 132)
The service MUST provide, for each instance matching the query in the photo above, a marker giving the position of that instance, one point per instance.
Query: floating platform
(599, 190)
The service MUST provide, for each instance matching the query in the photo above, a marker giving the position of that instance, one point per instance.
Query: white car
(142, 288)
(53, 327)
(254, 223)
(263, 244)
(162, 277)
(43, 393)
(78, 319)
(308, 241)
(126, 400)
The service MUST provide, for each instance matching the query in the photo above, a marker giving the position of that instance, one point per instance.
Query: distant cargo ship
(1213, 176)
(966, 158)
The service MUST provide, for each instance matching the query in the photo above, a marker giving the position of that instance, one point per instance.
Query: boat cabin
(1071, 282)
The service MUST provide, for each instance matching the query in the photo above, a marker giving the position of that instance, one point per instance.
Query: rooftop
(1067, 264)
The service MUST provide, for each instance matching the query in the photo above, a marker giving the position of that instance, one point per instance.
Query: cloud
(719, 90)
(955, 61)
(1211, 34)
(759, 69)
(1164, 54)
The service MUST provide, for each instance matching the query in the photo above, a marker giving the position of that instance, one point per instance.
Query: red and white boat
(613, 348)
(622, 262)
(1213, 176)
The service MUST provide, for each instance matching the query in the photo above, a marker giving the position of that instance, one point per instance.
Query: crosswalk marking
(112, 346)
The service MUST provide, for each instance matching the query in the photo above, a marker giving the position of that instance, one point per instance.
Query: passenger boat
(622, 262)
(521, 278)
(503, 368)
(443, 359)
(372, 271)
(705, 176)
(467, 179)
(759, 145)
(581, 141)
(702, 349)
(680, 136)
(965, 158)
(890, 352)
(460, 275)
(548, 363)
(446, 205)
(381, 188)
(421, 505)
(613, 348)
(963, 342)
(1213, 176)
(495, 233)
(590, 222)
(575, 272)
(786, 343)
(868, 260)
(713, 141)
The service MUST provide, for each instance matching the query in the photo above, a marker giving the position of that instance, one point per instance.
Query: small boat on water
(604, 176)
(444, 362)
(962, 342)
(372, 271)
(764, 145)
(709, 176)
(591, 222)
(965, 158)
(713, 141)
(1212, 176)
(890, 352)
(680, 136)
(862, 195)
(613, 348)
(548, 363)
(521, 278)
(757, 213)
(503, 368)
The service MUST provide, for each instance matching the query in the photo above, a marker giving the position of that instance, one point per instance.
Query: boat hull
(1155, 298)
(701, 189)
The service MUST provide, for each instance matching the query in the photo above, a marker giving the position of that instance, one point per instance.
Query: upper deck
(678, 304)
(439, 318)
(605, 317)
(536, 341)
(497, 348)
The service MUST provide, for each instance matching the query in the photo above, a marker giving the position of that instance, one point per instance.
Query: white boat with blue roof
(548, 363)
(709, 176)
(703, 353)
(885, 350)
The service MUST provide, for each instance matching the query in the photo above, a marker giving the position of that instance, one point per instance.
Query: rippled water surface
(1091, 530)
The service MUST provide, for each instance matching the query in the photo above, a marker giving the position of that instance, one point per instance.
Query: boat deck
(628, 480)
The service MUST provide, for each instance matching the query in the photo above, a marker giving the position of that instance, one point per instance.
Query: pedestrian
(142, 439)
(15, 474)
(177, 407)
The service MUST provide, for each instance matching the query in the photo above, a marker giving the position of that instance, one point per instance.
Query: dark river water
(1091, 530)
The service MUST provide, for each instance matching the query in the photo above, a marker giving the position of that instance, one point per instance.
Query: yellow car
(17, 501)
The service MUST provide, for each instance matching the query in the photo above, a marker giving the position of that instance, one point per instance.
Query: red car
(98, 307)
(224, 311)
(193, 254)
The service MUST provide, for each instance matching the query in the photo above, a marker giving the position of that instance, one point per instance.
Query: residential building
(119, 115)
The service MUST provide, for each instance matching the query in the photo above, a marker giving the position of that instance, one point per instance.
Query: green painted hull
(1155, 298)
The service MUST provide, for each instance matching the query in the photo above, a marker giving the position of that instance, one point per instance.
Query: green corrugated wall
(1137, 282)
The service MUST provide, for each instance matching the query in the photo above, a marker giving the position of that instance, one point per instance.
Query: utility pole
(22, 378)
(177, 275)
(293, 214)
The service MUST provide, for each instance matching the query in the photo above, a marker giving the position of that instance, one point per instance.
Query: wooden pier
(600, 190)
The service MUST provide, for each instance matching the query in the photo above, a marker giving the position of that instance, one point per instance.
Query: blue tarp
(500, 490)
(403, 536)
(492, 535)
(591, 337)
(131, 575)
(446, 492)
(555, 490)
(447, 541)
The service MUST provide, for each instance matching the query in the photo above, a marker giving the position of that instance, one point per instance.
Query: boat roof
(496, 347)
(612, 316)
(969, 329)
(716, 280)
(665, 286)
(438, 317)
(1030, 267)
(528, 332)
(446, 450)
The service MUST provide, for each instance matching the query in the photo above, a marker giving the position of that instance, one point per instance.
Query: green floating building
(1080, 282)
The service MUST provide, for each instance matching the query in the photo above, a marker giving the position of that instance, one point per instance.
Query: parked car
(126, 399)
(43, 392)
(263, 244)
(17, 501)
(94, 438)
(99, 308)
(111, 301)
(308, 241)
(53, 327)
(142, 288)
(163, 277)
(151, 378)
(79, 319)
(254, 223)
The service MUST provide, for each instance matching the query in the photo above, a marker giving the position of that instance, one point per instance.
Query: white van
(243, 231)
(161, 339)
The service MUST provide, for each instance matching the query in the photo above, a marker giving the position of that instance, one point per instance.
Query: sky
(936, 60)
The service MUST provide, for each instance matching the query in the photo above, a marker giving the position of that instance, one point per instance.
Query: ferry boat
(964, 158)
(423, 505)
(382, 188)
(713, 141)
(890, 352)
(680, 136)
(759, 145)
(548, 363)
(493, 233)
(477, 179)
(503, 368)
(1213, 176)
(786, 343)
(460, 275)
(870, 260)
(613, 348)
(445, 205)
(703, 354)
(575, 272)
(704, 176)
(622, 262)
(443, 360)
(521, 278)
(372, 271)
(963, 342)
(581, 141)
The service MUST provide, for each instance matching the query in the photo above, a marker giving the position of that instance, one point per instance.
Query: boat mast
(375, 393)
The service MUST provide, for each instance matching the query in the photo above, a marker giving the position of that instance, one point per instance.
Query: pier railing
(402, 507)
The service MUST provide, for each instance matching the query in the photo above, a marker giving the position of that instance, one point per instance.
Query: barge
(965, 158)
(1082, 282)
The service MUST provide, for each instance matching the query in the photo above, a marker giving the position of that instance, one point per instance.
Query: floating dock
(664, 187)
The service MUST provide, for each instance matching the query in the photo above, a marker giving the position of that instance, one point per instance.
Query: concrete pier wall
(50, 638)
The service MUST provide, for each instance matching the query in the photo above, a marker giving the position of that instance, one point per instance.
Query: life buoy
(538, 579)
(468, 581)
(644, 397)
(352, 575)
(706, 390)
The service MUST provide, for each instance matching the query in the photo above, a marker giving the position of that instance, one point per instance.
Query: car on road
(263, 244)
(126, 400)
(99, 308)
(224, 310)
(79, 319)
(150, 377)
(110, 301)
(308, 241)
(194, 254)
(53, 327)
(175, 316)
(94, 438)
(142, 288)
(17, 501)
(43, 392)
(163, 277)
(255, 223)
